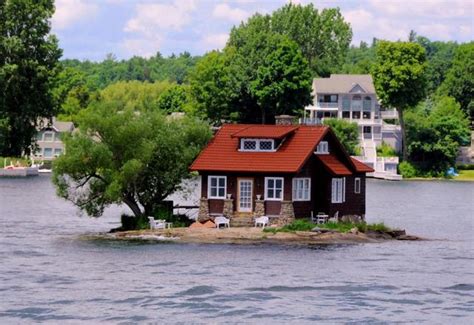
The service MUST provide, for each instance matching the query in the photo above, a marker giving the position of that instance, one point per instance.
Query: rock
(323, 230)
(396, 233)
(354, 231)
(407, 237)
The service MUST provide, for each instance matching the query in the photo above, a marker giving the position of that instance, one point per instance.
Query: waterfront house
(353, 98)
(281, 171)
(48, 139)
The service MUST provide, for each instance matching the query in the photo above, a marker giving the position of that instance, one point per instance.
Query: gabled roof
(222, 153)
(334, 165)
(343, 83)
(361, 167)
(56, 125)
(265, 131)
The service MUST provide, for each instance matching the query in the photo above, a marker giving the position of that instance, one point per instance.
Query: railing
(391, 114)
(388, 160)
(310, 121)
(327, 105)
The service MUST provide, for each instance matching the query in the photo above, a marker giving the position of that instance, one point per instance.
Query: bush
(377, 227)
(465, 167)
(343, 227)
(385, 150)
(407, 170)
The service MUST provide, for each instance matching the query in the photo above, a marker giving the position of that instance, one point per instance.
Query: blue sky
(89, 29)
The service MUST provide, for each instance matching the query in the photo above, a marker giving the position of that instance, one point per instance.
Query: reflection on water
(50, 273)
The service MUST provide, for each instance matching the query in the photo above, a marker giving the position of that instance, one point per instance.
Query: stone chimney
(284, 120)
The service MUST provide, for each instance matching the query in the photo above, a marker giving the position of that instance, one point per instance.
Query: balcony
(327, 105)
(390, 114)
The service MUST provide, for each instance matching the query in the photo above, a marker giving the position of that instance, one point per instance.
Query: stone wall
(203, 210)
(228, 210)
(259, 208)
(287, 213)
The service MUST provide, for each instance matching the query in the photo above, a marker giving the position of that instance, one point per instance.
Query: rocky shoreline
(250, 235)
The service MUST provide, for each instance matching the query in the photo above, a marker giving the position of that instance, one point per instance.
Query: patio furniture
(222, 221)
(158, 224)
(263, 221)
(321, 218)
(335, 217)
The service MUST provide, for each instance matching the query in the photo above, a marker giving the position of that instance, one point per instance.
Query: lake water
(49, 274)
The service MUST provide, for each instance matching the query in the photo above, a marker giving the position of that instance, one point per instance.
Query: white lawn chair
(222, 221)
(263, 221)
(335, 217)
(156, 224)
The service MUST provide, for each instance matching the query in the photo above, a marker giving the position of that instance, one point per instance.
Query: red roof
(265, 131)
(222, 153)
(334, 165)
(361, 167)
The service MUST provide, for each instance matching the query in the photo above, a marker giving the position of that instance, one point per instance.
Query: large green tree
(29, 57)
(400, 80)
(347, 133)
(126, 155)
(459, 82)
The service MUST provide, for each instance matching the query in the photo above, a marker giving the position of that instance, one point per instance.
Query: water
(49, 274)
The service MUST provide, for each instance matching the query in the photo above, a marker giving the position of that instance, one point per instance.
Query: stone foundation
(259, 208)
(287, 213)
(228, 210)
(203, 210)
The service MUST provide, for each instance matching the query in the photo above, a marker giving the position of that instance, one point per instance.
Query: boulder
(354, 231)
(323, 230)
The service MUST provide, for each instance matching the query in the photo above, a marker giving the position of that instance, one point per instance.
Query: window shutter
(333, 190)
(344, 190)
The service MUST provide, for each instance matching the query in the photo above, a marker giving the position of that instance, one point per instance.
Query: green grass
(465, 175)
(7, 161)
(343, 227)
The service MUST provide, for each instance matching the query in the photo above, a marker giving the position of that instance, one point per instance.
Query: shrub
(407, 170)
(385, 150)
(465, 167)
(377, 227)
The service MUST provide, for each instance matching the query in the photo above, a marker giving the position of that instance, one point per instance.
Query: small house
(48, 139)
(281, 171)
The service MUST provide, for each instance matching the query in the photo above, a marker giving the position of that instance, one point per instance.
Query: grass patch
(343, 227)
(15, 161)
(465, 175)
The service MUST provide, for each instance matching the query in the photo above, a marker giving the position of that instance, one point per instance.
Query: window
(257, 145)
(216, 187)
(367, 105)
(48, 136)
(301, 189)
(346, 114)
(58, 151)
(346, 103)
(48, 152)
(357, 185)
(356, 115)
(333, 99)
(274, 188)
(322, 148)
(366, 115)
(338, 191)
(367, 129)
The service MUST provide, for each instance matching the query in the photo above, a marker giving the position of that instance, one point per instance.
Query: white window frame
(49, 156)
(338, 190)
(52, 136)
(209, 178)
(257, 145)
(357, 185)
(322, 148)
(306, 192)
(274, 188)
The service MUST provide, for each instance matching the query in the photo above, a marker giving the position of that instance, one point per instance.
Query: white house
(48, 139)
(353, 97)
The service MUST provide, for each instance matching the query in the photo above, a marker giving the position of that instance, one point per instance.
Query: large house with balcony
(353, 98)
(48, 139)
(280, 171)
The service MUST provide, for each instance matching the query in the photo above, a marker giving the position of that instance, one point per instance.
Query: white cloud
(69, 12)
(142, 47)
(215, 41)
(424, 8)
(224, 11)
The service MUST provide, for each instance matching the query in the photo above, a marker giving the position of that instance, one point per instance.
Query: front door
(245, 195)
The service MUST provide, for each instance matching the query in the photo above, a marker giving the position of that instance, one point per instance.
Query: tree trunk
(404, 137)
(132, 204)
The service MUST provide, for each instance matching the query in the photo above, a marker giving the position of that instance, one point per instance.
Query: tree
(121, 155)
(28, 64)
(459, 82)
(322, 36)
(283, 82)
(174, 99)
(399, 74)
(346, 132)
(435, 130)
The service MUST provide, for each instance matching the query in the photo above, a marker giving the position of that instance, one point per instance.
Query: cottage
(281, 171)
(48, 139)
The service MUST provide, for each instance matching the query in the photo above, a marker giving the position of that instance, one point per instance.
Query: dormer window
(257, 145)
(322, 148)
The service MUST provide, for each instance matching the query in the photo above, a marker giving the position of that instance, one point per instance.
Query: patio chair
(156, 224)
(222, 221)
(263, 221)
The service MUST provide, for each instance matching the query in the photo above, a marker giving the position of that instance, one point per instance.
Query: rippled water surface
(49, 274)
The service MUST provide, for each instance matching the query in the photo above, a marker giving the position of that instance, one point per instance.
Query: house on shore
(353, 98)
(49, 141)
(281, 171)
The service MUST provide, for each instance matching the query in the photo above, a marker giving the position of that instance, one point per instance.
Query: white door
(245, 195)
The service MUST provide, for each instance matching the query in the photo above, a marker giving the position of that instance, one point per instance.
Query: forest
(265, 69)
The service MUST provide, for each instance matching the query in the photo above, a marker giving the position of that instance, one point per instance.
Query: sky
(89, 29)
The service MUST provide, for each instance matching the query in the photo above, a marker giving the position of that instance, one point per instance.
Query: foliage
(465, 167)
(407, 170)
(359, 60)
(29, 57)
(174, 99)
(347, 133)
(385, 150)
(399, 74)
(15, 161)
(434, 132)
(305, 225)
(124, 155)
(322, 36)
(459, 82)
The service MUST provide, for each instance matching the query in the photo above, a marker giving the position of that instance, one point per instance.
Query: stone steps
(241, 222)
